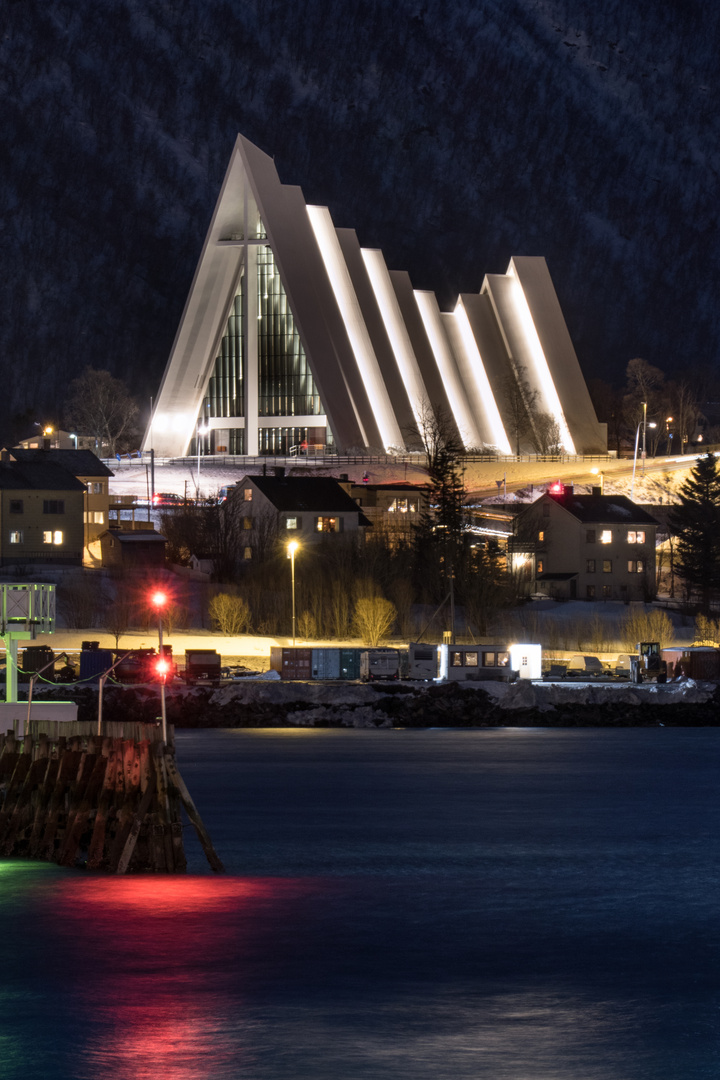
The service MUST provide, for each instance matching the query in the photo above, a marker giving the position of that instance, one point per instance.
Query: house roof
(605, 509)
(400, 486)
(135, 536)
(37, 476)
(314, 494)
(78, 462)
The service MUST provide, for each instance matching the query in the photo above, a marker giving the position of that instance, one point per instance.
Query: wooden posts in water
(109, 803)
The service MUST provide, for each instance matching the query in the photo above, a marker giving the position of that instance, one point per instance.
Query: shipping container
(35, 658)
(292, 662)
(350, 663)
(695, 662)
(93, 662)
(325, 663)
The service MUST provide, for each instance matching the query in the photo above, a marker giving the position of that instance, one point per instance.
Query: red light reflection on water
(165, 964)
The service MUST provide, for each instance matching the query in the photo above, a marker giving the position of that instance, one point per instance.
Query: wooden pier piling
(109, 803)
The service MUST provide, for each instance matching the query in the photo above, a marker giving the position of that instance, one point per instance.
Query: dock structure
(109, 802)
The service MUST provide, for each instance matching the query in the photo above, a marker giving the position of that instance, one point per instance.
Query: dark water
(510, 904)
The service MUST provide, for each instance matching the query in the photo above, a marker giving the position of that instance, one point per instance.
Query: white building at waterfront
(293, 333)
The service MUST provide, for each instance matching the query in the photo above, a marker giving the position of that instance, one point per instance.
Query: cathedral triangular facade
(295, 336)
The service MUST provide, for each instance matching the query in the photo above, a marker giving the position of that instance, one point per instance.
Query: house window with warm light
(52, 536)
(291, 523)
(606, 536)
(541, 536)
(636, 538)
(540, 566)
(607, 566)
(16, 536)
(327, 524)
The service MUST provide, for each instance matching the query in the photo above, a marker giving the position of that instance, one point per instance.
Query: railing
(314, 454)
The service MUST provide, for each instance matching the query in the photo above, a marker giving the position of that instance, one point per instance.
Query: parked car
(622, 666)
(166, 498)
(585, 665)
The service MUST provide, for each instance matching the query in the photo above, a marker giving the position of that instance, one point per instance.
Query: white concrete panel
(360, 343)
(524, 348)
(396, 331)
(476, 380)
(432, 321)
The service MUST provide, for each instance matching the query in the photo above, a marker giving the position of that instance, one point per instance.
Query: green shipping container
(350, 663)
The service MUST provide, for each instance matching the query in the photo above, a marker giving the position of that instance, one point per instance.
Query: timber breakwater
(257, 704)
(108, 803)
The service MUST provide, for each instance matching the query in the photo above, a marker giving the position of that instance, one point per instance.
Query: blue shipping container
(93, 662)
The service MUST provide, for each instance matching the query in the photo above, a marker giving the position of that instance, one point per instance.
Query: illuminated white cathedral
(293, 334)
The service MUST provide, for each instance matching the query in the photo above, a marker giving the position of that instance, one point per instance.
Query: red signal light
(159, 599)
(162, 667)
(557, 488)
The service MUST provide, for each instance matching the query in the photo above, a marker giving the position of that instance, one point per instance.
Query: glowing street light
(291, 549)
(159, 601)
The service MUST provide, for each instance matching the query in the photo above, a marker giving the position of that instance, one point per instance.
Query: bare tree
(231, 614)
(546, 434)
(78, 600)
(373, 619)
(100, 405)
(519, 405)
(117, 617)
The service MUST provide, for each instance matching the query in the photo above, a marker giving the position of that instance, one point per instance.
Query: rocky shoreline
(259, 704)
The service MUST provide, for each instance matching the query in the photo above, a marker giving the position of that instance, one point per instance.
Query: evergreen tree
(696, 523)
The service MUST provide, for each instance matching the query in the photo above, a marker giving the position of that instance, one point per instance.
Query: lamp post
(644, 425)
(668, 433)
(202, 430)
(159, 600)
(291, 549)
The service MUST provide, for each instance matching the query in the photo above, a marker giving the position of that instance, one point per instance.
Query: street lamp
(668, 433)
(643, 424)
(159, 600)
(202, 430)
(291, 549)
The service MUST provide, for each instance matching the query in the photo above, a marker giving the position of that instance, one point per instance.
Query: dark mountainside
(452, 135)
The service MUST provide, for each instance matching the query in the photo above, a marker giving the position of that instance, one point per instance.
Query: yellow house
(91, 472)
(41, 513)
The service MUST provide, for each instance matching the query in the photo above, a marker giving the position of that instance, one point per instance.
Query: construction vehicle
(648, 665)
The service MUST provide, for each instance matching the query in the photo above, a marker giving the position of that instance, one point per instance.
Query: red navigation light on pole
(162, 667)
(159, 600)
(557, 488)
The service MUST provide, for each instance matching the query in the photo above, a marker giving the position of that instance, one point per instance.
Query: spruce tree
(696, 523)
